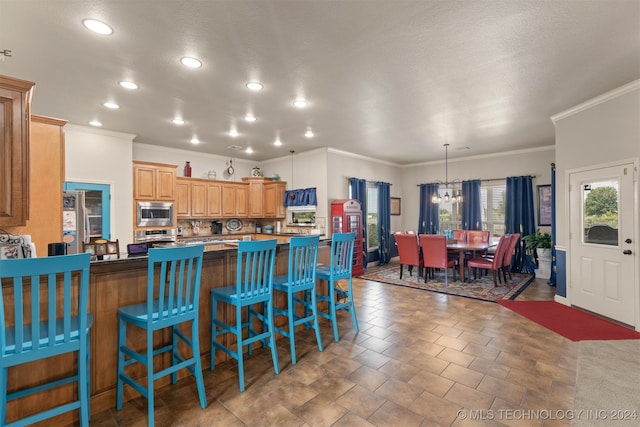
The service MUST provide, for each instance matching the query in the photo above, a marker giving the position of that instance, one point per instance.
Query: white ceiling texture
(389, 79)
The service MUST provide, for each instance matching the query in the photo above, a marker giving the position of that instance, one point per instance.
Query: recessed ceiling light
(250, 118)
(234, 147)
(233, 133)
(277, 143)
(255, 86)
(309, 134)
(191, 62)
(111, 105)
(129, 85)
(249, 150)
(97, 27)
(177, 121)
(95, 123)
(195, 140)
(300, 103)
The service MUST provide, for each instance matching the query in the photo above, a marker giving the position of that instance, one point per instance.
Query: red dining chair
(508, 255)
(434, 255)
(495, 263)
(409, 252)
(478, 236)
(460, 235)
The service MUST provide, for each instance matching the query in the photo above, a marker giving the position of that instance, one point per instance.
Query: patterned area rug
(481, 288)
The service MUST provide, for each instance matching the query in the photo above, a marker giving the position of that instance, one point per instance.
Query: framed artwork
(112, 248)
(544, 205)
(101, 248)
(90, 247)
(395, 206)
(10, 251)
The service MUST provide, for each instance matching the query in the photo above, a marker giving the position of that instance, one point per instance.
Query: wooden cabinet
(196, 198)
(154, 181)
(265, 197)
(235, 200)
(15, 110)
(274, 199)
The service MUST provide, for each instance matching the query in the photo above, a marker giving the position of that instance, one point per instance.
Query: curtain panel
(359, 192)
(519, 218)
(301, 197)
(471, 206)
(429, 218)
(384, 222)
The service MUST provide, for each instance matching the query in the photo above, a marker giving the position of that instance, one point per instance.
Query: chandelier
(456, 196)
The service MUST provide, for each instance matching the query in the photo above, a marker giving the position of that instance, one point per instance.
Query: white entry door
(603, 259)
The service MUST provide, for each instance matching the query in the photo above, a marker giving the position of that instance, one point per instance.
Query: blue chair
(301, 277)
(173, 297)
(44, 314)
(254, 285)
(338, 269)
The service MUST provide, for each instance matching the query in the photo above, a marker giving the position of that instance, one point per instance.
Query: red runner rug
(571, 323)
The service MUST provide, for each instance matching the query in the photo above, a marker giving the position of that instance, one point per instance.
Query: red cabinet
(346, 216)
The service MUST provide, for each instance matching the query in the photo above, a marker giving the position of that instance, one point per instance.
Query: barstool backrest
(303, 258)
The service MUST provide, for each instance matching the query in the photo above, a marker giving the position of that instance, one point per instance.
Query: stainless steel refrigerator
(75, 221)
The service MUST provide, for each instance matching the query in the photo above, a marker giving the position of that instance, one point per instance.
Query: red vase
(187, 169)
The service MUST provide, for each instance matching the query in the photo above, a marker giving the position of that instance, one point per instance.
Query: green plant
(538, 240)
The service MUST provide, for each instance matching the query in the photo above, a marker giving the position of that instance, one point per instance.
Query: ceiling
(388, 79)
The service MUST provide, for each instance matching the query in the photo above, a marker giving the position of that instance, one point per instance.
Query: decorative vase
(544, 263)
(187, 169)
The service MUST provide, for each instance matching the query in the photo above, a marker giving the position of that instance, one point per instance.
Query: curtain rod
(484, 180)
(350, 177)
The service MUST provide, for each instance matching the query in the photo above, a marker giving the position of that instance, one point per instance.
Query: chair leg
(401, 268)
(291, 310)
(83, 384)
(240, 346)
(174, 352)
(272, 336)
(214, 332)
(332, 309)
(150, 379)
(352, 306)
(3, 403)
(195, 348)
(316, 323)
(122, 339)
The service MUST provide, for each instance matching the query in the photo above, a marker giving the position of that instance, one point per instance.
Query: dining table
(464, 247)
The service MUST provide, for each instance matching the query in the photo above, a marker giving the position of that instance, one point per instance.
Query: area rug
(607, 378)
(569, 322)
(482, 288)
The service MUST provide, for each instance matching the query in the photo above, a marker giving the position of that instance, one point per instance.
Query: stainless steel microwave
(154, 214)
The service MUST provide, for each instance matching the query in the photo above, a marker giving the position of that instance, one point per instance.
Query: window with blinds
(492, 199)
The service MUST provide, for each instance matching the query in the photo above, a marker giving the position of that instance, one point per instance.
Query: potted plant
(540, 243)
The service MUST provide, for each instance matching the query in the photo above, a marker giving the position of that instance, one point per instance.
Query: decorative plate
(234, 225)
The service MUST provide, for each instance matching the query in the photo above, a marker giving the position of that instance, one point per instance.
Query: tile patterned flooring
(420, 359)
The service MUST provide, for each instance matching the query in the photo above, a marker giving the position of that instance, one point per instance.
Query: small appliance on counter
(216, 227)
(268, 229)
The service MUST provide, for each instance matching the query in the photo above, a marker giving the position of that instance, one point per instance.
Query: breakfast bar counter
(119, 282)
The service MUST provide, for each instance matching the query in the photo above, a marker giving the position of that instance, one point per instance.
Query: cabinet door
(198, 199)
(242, 201)
(144, 182)
(183, 198)
(165, 183)
(228, 200)
(214, 200)
(14, 151)
(256, 199)
(274, 200)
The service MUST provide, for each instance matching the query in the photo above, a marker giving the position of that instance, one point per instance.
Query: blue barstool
(38, 332)
(301, 277)
(254, 285)
(338, 269)
(173, 297)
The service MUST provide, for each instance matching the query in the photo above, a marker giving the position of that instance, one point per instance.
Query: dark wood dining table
(463, 247)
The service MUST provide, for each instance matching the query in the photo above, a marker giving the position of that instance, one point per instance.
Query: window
(492, 204)
(372, 217)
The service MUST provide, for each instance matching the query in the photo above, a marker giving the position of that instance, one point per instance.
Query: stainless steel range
(156, 235)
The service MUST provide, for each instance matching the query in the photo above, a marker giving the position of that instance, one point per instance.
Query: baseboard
(562, 300)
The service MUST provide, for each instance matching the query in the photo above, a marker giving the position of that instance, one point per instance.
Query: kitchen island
(119, 282)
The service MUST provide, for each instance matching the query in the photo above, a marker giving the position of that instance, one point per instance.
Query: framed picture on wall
(544, 205)
(395, 206)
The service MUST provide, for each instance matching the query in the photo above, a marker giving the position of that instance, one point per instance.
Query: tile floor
(420, 359)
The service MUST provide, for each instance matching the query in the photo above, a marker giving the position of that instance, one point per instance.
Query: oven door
(154, 214)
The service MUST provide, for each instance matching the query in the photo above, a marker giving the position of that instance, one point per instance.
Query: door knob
(628, 241)
(627, 252)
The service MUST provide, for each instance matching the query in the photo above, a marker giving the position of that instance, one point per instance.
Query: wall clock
(230, 169)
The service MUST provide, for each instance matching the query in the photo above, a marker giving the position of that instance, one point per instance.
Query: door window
(600, 202)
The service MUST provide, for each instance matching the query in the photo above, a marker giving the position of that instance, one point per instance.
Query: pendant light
(456, 197)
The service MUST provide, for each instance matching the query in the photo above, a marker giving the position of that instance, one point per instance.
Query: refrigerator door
(75, 221)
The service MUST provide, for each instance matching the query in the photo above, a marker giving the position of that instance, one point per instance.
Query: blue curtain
(301, 197)
(384, 222)
(359, 192)
(552, 278)
(519, 218)
(471, 207)
(429, 219)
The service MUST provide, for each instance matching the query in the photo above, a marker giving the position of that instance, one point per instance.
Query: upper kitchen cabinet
(15, 110)
(235, 200)
(154, 181)
(198, 198)
(265, 197)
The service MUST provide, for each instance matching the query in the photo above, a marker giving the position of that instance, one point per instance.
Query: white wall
(600, 131)
(104, 157)
(535, 162)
